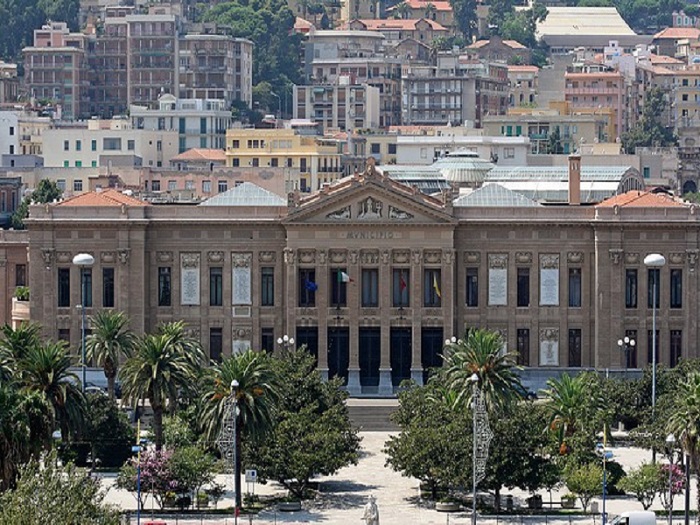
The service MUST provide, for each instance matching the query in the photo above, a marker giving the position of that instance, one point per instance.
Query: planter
(289, 506)
(568, 503)
(534, 502)
(446, 506)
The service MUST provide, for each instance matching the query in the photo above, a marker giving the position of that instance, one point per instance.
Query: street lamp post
(654, 261)
(605, 455)
(83, 261)
(670, 443)
(279, 104)
(626, 344)
(236, 458)
(475, 387)
(286, 342)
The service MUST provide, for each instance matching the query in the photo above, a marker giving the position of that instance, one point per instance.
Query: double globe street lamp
(84, 261)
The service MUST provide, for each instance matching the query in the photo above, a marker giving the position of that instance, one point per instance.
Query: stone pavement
(344, 495)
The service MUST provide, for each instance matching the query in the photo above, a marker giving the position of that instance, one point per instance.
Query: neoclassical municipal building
(373, 275)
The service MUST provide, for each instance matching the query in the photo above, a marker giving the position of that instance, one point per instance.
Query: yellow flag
(436, 287)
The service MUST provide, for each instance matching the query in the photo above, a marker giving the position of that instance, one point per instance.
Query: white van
(635, 517)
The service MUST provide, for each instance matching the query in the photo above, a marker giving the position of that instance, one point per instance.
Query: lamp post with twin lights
(83, 261)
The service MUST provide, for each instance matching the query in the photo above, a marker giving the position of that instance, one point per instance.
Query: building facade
(372, 276)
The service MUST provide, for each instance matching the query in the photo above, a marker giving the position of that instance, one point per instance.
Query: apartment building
(342, 106)
(455, 91)
(199, 123)
(9, 133)
(523, 86)
(685, 98)
(56, 70)
(309, 161)
(440, 12)
(9, 83)
(108, 143)
(397, 29)
(599, 91)
(498, 50)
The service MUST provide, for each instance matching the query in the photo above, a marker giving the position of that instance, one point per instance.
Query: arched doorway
(689, 186)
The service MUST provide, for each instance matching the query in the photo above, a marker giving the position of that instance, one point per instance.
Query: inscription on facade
(372, 235)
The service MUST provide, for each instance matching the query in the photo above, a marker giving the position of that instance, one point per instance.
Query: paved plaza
(343, 496)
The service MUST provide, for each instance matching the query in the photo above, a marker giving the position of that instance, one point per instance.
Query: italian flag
(344, 277)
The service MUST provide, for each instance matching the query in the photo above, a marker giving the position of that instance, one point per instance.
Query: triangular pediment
(369, 198)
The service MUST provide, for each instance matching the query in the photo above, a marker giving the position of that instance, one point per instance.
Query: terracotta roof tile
(102, 198)
(678, 32)
(663, 59)
(514, 44)
(641, 199)
(202, 155)
(523, 69)
(398, 24)
(440, 5)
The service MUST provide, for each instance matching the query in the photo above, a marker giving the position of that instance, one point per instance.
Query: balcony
(592, 91)
(20, 312)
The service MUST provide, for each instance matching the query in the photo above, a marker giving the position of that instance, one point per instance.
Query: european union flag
(311, 286)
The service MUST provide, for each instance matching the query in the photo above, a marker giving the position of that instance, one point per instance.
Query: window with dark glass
(267, 339)
(216, 344)
(216, 286)
(64, 335)
(523, 286)
(108, 287)
(472, 287)
(370, 287)
(400, 287)
(164, 286)
(307, 287)
(339, 287)
(307, 337)
(676, 347)
(267, 286)
(523, 343)
(630, 288)
(650, 347)
(676, 288)
(63, 287)
(575, 347)
(631, 350)
(20, 275)
(432, 292)
(574, 287)
(86, 286)
(653, 287)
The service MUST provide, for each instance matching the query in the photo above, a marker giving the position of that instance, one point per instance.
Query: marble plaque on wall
(189, 279)
(241, 263)
(549, 287)
(498, 286)
(240, 346)
(549, 347)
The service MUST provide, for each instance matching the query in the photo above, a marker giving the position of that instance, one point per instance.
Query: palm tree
(45, 369)
(257, 392)
(430, 11)
(157, 371)
(110, 340)
(481, 353)
(183, 343)
(17, 341)
(684, 421)
(573, 404)
(402, 11)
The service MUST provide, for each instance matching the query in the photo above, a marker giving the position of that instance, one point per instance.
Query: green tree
(402, 11)
(466, 20)
(430, 11)
(108, 434)
(45, 369)
(554, 142)
(644, 482)
(109, 342)
(312, 433)
(192, 468)
(650, 130)
(46, 191)
(57, 495)
(184, 344)
(156, 371)
(684, 420)
(16, 342)
(481, 353)
(585, 481)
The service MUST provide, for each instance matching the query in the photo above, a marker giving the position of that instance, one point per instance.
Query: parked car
(526, 393)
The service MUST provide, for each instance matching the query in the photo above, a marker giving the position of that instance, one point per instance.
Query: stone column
(353, 293)
(322, 296)
(289, 298)
(385, 308)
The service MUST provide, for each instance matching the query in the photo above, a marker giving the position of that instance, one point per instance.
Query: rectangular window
(267, 339)
(112, 144)
(574, 287)
(523, 287)
(155, 185)
(523, 343)
(130, 145)
(66, 145)
(370, 288)
(223, 186)
(86, 286)
(172, 185)
(164, 286)
(235, 144)
(267, 286)
(78, 145)
(676, 288)
(575, 347)
(216, 286)
(108, 287)
(432, 291)
(93, 145)
(400, 287)
(676, 347)
(650, 347)
(653, 287)
(630, 288)
(63, 287)
(307, 287)
(206, 186)
(472, 287)
(64, 335)
(630, 350)
(77, 185)
(216, 344)
(20, 275)
(339, 287)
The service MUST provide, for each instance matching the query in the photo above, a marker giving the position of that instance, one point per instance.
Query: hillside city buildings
(454, 187)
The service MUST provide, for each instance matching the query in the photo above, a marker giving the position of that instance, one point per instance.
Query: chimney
(575, 180)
